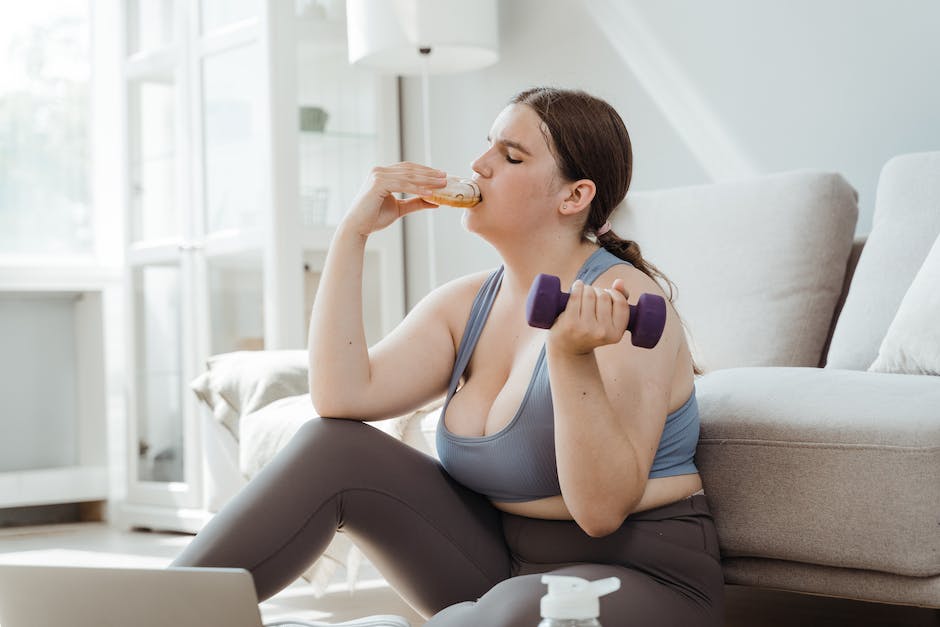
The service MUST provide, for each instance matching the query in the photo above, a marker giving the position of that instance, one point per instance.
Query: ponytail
(629, 251)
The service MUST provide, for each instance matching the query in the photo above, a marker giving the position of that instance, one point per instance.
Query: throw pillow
(905, 224)
(912, 343)
(239, 383)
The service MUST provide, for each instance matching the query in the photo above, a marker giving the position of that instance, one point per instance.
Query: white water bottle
(574, 602)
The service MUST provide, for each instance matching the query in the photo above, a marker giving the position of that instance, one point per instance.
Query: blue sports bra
(517, 463)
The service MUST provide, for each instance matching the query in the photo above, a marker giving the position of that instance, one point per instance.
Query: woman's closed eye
(511, 160)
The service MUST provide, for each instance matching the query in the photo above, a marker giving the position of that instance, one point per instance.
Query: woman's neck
(562, 258)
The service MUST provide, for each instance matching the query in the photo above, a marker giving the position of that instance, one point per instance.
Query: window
(45, 152)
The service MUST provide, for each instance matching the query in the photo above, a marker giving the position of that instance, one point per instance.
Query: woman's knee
(318, 444)
(336, 443)
(511, 602)
(330, 425)
(326, 432)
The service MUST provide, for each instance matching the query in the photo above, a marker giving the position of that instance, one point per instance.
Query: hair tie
(604, 228)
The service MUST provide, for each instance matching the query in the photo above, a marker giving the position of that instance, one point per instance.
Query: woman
(584, 468)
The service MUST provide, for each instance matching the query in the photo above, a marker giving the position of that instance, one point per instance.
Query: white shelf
(324, 136)
(53, 276)
(234, 242)
(71, 484)
(55, 449)
(155, 252)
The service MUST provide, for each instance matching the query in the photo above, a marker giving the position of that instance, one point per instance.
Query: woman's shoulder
(471, 281)
(635, 280)
(460, 292)
(637, 283)
(453, 301)
(455, 297)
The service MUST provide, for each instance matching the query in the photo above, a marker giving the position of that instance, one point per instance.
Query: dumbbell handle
(546, 301)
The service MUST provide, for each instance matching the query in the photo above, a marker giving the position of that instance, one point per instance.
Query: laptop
(78, 596)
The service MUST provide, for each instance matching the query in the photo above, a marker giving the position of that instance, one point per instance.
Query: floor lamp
(420, 38)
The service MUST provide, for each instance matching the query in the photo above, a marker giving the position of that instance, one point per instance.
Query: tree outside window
(45, 123)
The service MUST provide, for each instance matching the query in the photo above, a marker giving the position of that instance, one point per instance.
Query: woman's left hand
(593, 317)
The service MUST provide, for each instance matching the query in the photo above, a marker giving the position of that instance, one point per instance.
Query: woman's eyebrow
(510, 144)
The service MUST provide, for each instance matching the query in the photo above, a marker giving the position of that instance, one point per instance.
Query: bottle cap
(575, 598)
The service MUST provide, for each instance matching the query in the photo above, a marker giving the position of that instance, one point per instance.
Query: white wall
(708, 90)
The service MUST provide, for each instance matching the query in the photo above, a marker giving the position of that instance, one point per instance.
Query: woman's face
(517, 174)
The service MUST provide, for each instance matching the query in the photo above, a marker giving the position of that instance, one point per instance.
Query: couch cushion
(905, 224)
(758, 263)
(912, 343)
(824, 466)
(847, 583)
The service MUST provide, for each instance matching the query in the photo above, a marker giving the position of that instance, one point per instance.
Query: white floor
(97, 544)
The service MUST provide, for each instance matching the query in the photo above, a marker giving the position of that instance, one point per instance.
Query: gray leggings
(444, 548)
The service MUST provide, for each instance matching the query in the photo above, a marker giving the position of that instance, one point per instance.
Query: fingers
(593, 317)
(619, 286)
(410, 205)
(620, 310)
(605, 311)
(408, 178)
(576, 299)
(377, 205)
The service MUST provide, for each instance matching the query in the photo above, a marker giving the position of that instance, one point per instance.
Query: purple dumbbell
(546, 301)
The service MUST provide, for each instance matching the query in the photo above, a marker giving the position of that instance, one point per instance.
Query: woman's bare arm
(409, 367)
(610, 401)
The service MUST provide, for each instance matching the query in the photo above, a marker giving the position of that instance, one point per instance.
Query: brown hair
(590, 141)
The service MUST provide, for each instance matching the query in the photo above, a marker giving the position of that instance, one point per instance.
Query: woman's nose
(480, 166)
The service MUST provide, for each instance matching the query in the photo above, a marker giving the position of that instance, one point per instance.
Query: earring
(564, 206)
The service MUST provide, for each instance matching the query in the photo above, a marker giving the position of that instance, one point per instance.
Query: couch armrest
(824, 466)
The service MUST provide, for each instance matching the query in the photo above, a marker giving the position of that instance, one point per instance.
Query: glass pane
(154, 208)
(159, 374)
(149, 24)
(39, 374)
(332, 169)
(45, 152)
(233, 163)
(337, 117)
(236, 303)
(216, 13)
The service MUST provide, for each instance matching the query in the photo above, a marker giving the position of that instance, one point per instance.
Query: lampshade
(388, 34)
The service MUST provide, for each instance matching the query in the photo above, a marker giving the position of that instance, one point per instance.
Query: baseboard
(126, 515)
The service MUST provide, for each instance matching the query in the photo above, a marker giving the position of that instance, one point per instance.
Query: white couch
(820, 442)
(821, 479)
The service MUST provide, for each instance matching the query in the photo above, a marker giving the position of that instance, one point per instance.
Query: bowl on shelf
(313, 119)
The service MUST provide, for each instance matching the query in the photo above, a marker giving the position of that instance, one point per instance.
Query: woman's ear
(581, 193)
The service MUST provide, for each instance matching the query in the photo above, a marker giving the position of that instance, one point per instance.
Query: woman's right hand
(376, 206)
